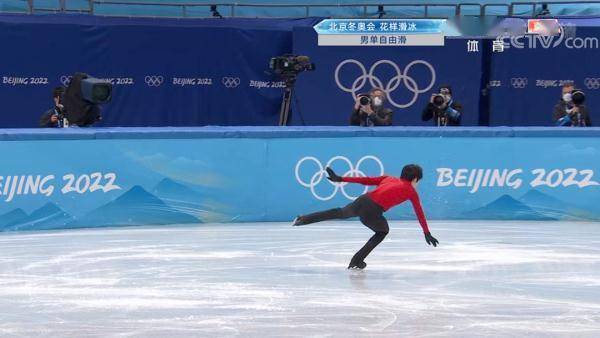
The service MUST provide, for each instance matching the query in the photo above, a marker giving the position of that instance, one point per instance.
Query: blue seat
(392, 8)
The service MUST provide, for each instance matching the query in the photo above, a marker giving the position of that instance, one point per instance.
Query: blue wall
(122, 176)
(541, 67)
(331, 101)
(165, 72)
(170, 72)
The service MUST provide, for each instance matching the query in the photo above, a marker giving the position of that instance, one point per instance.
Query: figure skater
(370, 207)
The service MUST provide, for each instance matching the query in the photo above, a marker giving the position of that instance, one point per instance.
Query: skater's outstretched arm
(362, 180)
(416, 202)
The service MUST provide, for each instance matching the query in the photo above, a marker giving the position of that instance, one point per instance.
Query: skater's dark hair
(412, 171)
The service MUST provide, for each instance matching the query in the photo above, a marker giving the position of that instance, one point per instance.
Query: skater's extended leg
(319, 216)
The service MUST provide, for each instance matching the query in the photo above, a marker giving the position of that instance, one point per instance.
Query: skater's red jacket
(392, 191)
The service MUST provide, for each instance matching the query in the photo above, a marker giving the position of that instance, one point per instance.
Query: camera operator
(369, 110)
(570, 110)
(443, 109)
(54, 117)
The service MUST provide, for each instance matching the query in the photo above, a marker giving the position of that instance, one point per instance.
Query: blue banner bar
(380, 26)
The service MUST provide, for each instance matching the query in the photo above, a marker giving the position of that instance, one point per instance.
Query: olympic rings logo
(321, 175)
(375, 82)
(518, 82)
(230, 82)
(65, 80)
(592, 83)
(154, 80)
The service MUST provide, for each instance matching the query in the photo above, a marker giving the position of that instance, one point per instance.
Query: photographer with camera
(443, 109)
(369, 110)
(570, 110)
(54, 117)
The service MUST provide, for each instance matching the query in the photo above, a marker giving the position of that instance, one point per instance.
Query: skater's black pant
(369, 213)
(374, 241)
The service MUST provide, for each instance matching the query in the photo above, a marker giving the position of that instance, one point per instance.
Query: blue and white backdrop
(235, 176)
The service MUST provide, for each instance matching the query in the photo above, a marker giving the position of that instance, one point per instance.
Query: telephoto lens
(439, 100)
(365, 100)
(578, 97)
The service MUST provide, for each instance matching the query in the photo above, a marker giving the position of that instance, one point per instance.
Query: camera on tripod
(289, 65)
(83, 97)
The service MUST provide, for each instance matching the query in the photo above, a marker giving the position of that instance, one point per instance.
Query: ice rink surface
(486, 279)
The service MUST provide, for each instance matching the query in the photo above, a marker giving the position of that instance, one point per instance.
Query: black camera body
(439, 100)
(83, 98)
(577, 97)
(364, 99)
(290, 65)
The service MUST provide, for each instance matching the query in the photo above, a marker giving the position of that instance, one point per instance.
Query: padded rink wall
(52, 179)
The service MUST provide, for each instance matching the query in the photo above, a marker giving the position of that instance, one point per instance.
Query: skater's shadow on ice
(365, 279)
(357, 279)
(317, 270)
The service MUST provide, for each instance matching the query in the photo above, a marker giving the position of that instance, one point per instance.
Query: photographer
(443, 109)
(369, 111)
(53, 118)
(570, 110)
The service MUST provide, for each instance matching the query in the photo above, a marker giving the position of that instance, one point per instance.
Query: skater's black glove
(430, 239)
(333, 177)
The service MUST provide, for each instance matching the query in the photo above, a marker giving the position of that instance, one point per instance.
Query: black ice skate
(357, 266)
(298, 221)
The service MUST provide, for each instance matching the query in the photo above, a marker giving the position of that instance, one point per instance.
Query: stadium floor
(487, 279)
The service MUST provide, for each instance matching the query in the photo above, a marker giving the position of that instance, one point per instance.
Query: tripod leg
(285, 106)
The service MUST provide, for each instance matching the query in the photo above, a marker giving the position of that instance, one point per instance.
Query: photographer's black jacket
(382, 117)
(432, 112)
(45, 119)
(560, 110)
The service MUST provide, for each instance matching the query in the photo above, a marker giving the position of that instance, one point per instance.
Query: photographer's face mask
(377, 100)
(446, 94)
(567, 97)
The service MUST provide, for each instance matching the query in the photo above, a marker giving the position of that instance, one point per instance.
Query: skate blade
(356, 267)
(296, 222)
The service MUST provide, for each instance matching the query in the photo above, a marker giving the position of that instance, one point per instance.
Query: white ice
(486, 279)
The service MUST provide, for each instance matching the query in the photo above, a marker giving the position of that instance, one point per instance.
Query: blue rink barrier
(54, 179)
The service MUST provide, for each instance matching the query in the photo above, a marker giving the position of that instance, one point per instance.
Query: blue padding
(288, 132)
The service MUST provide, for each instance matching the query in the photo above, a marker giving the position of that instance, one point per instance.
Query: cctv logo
(154, 80)
(592, 83)
(230, 82)
(518, 82)
(320, 175)
(567, 38)
(401, 77)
